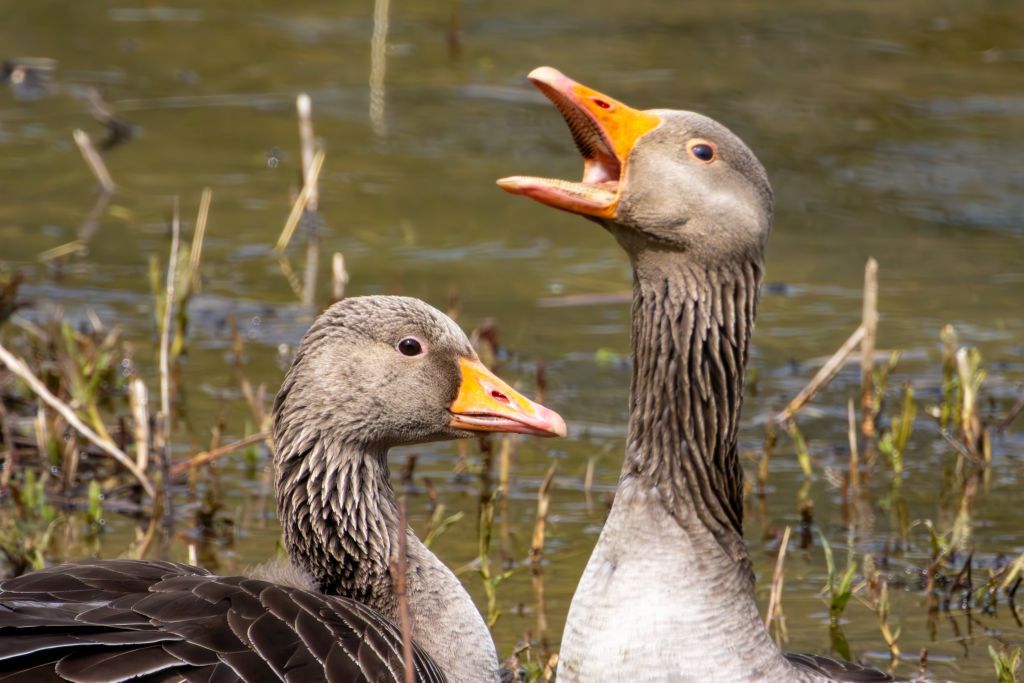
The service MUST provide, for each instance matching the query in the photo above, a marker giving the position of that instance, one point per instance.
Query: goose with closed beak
(372, 373)
(668, 593)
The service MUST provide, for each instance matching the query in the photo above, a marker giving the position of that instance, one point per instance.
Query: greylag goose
(668, 593)
(372, 373)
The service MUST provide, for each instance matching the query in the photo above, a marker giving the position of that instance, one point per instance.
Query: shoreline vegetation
(83, 436)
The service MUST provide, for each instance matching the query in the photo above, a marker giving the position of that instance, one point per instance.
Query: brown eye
(701, 150)
(410, 346)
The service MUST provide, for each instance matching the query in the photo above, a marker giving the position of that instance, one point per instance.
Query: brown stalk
(70, 465)
(42, 431)
(823, 376)
(774, 613)
(486, 444)
(94, 161)
(339, 277)
(312, 263)
(213, 454)
(301, 202)
(378, 67)
(399, 567)
(91, 223)
(409, 470)
(256, 401)
(588, 484)
(143, 540)
(289, 275)
(571, 300)
(162, 440)
(453, 36)
(969, 419)
(504, 482)
(1012, 414)
(869, 322)
(5, 431)
(771, 437)
(454, 303)
(138, 398)
(550, 667)
(304, 107)
(541, 380)
(196, 251)
(852, 437)
(537, 555)
(62, 250)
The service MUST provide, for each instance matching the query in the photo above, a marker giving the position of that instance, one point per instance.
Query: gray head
(658, 179)
(383, 371)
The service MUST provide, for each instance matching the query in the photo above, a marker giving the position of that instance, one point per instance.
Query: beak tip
(559, 428)
(551, 423)
(513, 184)
(547, 75)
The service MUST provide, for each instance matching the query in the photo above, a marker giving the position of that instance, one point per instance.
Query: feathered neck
(691, 332)
(339, 516)
(340, 521)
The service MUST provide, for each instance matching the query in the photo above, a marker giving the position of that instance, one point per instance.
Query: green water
(888, 130)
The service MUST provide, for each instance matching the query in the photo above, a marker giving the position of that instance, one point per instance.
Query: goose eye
(701, 150)
(410, 346)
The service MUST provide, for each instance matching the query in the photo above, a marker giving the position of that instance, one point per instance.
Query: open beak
(486, 404)
(605, 131)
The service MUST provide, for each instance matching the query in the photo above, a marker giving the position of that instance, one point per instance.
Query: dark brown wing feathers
(839, 670)
(111, 620)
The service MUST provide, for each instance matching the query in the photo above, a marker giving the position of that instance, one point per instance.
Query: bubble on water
(274, 157)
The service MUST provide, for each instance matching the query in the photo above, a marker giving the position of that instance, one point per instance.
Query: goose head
(661, 180)
(383, 371)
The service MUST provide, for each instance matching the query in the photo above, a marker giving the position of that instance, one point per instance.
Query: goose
(668, 593)
(371, 373)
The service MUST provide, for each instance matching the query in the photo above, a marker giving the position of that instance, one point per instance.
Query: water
(892, 131)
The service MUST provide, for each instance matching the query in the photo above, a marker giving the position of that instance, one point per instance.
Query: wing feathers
(114, 667)
(115, 620)
(839, 670)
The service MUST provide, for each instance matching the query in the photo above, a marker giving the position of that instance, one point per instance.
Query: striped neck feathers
(691, 332)
(339, 515)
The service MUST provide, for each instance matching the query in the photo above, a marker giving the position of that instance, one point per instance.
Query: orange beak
(487, 404)
(605, 131)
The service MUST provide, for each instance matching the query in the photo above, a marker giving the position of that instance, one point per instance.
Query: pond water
(892, 130)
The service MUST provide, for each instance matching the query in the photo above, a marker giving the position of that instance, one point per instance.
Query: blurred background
(889, 130)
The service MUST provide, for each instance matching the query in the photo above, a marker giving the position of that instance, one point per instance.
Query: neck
(340, 522)
(691, 330)
(339, 517)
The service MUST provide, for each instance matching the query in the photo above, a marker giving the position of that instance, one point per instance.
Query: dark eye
(410, 346)
(701, 151)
